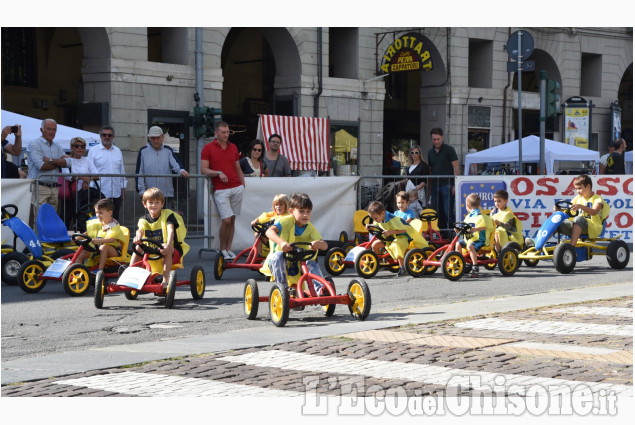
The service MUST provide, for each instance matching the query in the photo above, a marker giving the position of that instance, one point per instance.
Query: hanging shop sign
(407, 53)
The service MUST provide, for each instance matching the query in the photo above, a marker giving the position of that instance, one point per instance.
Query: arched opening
(625, 100)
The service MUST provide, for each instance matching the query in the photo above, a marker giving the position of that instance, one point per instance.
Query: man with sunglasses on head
(107, 159)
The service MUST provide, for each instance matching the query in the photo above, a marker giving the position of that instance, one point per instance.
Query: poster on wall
(576, 127)
(532, 198)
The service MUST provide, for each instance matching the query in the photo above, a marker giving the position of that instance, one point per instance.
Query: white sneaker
(226, 255)
(231, 254)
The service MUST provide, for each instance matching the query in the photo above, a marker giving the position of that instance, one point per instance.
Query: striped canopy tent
(305, 140)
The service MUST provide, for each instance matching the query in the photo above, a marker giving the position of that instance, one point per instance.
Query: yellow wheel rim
(248, 298)
(360, 301)
(275, 305)
(335, 261)
(31, 274)
(78, 281)
(200, 282)
(454, 266)
(219, 267)
(415, 262)
(509, 262)
(367, 263)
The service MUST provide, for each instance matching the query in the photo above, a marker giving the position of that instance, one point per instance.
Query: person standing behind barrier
(9, 169)
(252, 164)
(79, 185)
(220, 161)
(605, 157)
(615, 161)
(107, 159)
(45, 156)
(277, 164)
(157, 158)
(442, 161)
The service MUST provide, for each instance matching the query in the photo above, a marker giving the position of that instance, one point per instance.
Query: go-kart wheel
(101, 288)
(347, 247)
(334, 261)
(513, 245)
(250, 299)
(618, 254)
(413, 261)
(197, 282)
(343, 236)
(329, 309)
(367, 264)
(491, 255)
(76, 279)
(429, 270)
(531, 263)
(28, 276)
(170, 291)
(564, 257)
(11, 263)
(357, 239)
(279, 304)
(131, 295)
(453, 265)
(508, 262)
(219, 266)
(359, 294)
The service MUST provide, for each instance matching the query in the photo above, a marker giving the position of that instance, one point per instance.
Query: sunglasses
(415, 153)
(257, 150)
(106, 135)
(79, 146)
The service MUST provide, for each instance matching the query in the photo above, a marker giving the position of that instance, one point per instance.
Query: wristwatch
(51, 161)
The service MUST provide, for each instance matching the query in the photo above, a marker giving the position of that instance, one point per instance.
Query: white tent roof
(31, 131)
(554, 151)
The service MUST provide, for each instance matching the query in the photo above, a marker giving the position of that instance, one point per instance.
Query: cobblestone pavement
(588, 344)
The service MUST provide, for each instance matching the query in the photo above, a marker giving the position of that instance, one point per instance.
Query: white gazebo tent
(554, 151)
(628, 162)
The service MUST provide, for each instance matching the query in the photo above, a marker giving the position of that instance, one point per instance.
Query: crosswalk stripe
(547, 327)
(596, 311)
(427, 374)
(153, 385)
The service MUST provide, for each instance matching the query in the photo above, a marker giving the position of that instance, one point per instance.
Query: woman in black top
(252, 164)
(417, 167)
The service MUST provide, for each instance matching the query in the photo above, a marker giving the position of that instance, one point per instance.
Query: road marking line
(563, 347)
(427, 374)
(597, 311)
(547, 327)
(421, 339)
(152, 385)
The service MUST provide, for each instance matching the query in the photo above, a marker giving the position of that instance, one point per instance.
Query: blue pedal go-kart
(563, 254)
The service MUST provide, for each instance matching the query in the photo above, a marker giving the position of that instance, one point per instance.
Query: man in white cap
(157, 158)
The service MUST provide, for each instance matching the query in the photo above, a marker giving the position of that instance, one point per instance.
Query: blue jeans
(443, 204)
(278, 267)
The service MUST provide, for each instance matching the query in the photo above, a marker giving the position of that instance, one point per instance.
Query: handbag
(66, 188)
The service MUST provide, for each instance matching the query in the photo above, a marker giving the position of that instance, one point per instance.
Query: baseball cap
(155, 131)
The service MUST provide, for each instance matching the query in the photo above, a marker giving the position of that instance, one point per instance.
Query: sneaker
(226, 255)
(231, 254)
(401, 271)
(474, 272)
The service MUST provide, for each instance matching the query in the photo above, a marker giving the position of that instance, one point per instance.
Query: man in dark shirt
(443, 161)
(615, 162)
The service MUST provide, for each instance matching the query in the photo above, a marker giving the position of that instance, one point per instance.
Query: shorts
(477, 244)
(566, 227)
(229, 201)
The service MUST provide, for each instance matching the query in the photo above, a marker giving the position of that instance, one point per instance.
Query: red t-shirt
(222, 160)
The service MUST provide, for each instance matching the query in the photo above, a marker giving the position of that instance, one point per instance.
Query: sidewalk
(570, 338)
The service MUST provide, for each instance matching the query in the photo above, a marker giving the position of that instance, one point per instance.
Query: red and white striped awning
(305, 140)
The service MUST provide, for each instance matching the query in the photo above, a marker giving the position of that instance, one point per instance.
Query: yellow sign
(407, 53)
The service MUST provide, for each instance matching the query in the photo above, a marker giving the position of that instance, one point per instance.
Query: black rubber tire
(250, 299)
(170, 291)
(131, 295)
(453, 265)
(76, 280)
(414, 262)
(491, 255)
(219, 266)
(564, 258)
(429, 270)
(27, 276)
(360, 300)
(11, 263)
(618, 254)
(100, 289)
(197, 282)
(347, 246)
(329, 309)
(508, 261)
(279, 305)
(343, 236)
(513, 245)
(531, 263)
(366, 264)
(334, 261)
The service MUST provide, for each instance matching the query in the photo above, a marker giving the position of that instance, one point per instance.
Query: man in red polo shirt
(219, 160)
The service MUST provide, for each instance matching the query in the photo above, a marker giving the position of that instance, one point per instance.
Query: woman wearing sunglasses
(252, 164)
(416, 167)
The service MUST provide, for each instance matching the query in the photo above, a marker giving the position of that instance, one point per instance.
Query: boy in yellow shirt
(482, 228)
(508, 227)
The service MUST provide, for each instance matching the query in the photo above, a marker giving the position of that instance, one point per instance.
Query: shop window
(343, 52)
(591, 75)
(480, 63)
(344, 143)
(18, 57)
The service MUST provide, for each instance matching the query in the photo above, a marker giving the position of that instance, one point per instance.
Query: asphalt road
(52, 322)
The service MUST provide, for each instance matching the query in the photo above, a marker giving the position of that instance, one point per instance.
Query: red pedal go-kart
(140, 278)
(300, 292)
(252, 260)
(454, 264)
(431, 232)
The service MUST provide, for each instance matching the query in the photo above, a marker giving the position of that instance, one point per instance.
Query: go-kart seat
(434, 223)
(586, 237)
(50, 227)
(358, 227)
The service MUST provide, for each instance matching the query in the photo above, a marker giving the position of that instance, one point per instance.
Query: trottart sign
(407, 53)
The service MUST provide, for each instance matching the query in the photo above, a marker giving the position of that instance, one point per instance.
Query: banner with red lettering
(532, 198)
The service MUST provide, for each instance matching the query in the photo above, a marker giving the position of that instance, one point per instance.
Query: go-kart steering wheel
(377, 232)
(463, 227)
(5, 211)
(261, 228)
(83, 240)
(428, 216)
(151, 247)
(565, 206)
(298, 254)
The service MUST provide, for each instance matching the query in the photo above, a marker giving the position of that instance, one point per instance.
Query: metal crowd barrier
(189, 200)
(384, 188)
